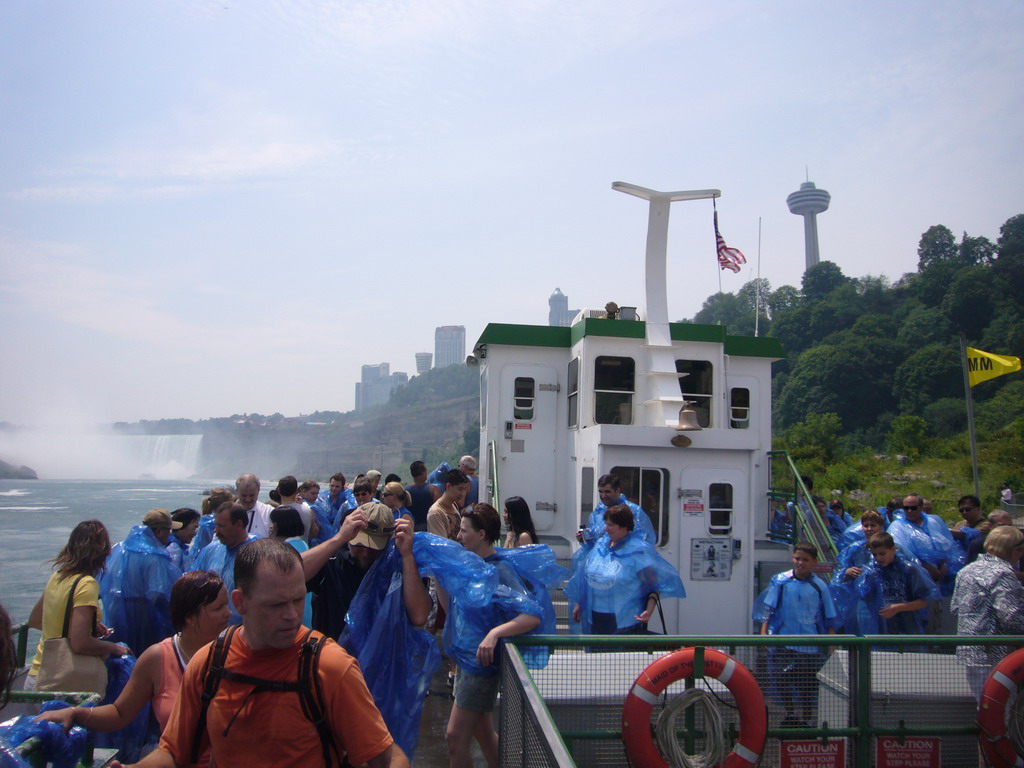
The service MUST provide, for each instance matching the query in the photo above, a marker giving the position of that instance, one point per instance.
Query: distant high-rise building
(449, 345)
(809, 201)
(423, 362)
(558, 309)
(376, 385)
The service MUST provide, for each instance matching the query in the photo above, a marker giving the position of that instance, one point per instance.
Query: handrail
(810, 518)
(21, 651)
(492, 464)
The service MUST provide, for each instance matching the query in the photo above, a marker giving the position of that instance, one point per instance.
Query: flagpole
(970, 415)
(757, 292)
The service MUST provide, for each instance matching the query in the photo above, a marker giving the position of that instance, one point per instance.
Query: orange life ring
(636, 713)
(1004, 679)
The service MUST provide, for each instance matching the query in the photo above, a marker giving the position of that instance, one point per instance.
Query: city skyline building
(423, 362)
(809, 201)
(376, 385)
(559, 313)
(449, 345)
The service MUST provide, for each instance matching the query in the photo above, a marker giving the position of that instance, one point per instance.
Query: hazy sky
(216, 207)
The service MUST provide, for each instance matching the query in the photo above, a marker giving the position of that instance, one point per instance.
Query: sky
(209, 208)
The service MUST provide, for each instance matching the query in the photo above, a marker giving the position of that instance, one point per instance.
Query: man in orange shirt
(248, 725)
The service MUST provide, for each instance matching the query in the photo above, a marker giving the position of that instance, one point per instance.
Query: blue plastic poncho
(539, 570)
(325, 521)
(437, 477)
(204, 535)
(179, 553)
(466, 626)
(130, 740)
(901, 582)
(397, 659)
(969, 535)
(617, 580)
(641, 522)
(792, 606)
(221, 560)
(932, 543)
(63, 750)
(844, 594)
(460, 573)
(851, 535)
(136, 590)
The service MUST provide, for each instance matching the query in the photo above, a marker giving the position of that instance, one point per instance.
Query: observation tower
(808, 202)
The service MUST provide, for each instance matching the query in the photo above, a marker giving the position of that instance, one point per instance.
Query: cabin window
(648, 487)
(522, 409)
(586, 494)
(720, 509)
(613, 390)
(739, 408)
(574, 392)
(697, 387)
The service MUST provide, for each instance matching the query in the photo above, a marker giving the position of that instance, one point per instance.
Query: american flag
(728, 258)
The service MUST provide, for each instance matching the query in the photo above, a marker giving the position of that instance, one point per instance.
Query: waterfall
(164, 457)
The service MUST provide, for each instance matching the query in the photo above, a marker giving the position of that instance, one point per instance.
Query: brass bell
(688, 419)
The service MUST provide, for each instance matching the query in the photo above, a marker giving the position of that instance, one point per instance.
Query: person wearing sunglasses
(927, 538)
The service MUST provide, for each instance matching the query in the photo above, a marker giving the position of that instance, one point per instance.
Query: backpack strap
(211, 682)
(312, 703)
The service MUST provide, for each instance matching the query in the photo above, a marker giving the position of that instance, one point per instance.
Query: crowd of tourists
(334, 596)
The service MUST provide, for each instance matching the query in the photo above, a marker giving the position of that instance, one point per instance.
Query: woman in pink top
(200, 612)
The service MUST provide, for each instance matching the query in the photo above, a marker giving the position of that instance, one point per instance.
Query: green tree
(821, 279)
(783, 299)
(968, 301)
(930, 373)
(812, 443)
(1009, 264)
(924, 325)
(851, 377)
(976, 251)
(722, 309)
(937, 244)
(907, 435)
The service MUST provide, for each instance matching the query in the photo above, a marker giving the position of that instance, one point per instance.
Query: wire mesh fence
(830, 701)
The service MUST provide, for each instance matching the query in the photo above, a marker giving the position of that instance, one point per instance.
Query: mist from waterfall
(93, 455)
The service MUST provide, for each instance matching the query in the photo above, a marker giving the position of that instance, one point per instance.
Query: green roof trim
(525, 335)
(619, 329)
(553, 336)
(694, 332)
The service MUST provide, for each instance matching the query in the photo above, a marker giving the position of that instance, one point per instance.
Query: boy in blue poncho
(853, 558)
(796, 602)
(894, 589)
(617, 583)
(472, 635)
(137, 580)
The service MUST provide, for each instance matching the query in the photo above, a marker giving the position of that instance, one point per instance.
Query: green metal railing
(589, 661)
(807, 524)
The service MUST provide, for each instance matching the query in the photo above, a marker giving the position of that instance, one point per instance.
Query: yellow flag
(982, 366)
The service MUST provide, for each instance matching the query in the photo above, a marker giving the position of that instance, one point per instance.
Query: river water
(37, 516)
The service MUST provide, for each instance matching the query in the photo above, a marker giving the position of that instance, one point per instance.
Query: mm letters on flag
(982, 366)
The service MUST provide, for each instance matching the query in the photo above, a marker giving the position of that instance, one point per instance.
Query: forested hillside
(874, 364)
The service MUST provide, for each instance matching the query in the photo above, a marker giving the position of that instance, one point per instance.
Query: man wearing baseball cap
(159, 521)
(335, 572)
(335, 569)
(136, 584)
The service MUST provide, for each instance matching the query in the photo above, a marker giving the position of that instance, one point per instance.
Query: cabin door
(526, 439)
(710, 513)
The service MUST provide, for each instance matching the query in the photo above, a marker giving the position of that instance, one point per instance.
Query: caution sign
(911, 752)
(693, 501)
(801, 753)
